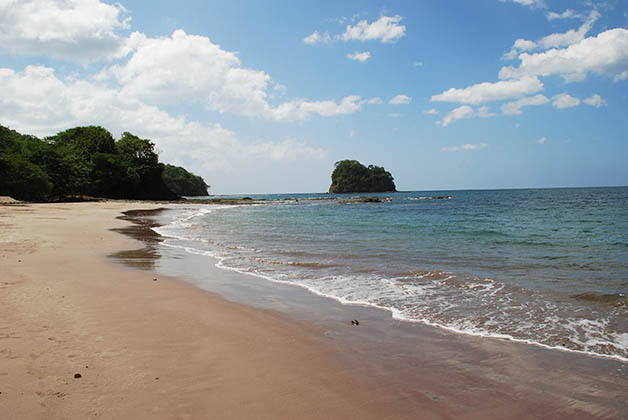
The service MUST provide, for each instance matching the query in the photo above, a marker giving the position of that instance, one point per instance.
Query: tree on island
(350, 176)
(81, 161)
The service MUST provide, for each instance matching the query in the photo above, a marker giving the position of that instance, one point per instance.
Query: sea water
(543, 266)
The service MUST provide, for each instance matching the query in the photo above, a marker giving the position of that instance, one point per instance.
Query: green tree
(73, 172)
(21, 176)
(183, 182)
(142, 161)
(350, 176)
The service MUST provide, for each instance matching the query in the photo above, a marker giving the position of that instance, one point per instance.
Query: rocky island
(350, 176)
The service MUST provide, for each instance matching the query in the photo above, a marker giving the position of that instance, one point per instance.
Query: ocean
(547, 267)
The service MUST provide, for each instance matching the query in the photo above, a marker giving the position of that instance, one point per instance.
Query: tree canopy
(183, 182)
(350, 176)
(80, 161)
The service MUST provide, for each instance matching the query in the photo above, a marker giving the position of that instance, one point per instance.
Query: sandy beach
(152, 346)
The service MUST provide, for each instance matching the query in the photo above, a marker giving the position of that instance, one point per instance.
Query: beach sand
(149, 346)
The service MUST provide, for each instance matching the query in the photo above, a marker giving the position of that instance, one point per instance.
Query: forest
(88, 161)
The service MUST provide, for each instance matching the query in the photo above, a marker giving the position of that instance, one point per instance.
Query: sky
(264, 97)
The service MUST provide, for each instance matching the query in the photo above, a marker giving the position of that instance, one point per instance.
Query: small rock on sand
(77, 376)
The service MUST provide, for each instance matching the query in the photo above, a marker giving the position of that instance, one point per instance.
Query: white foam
(373, 292)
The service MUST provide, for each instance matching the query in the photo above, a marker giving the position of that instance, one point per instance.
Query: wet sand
(149, 345)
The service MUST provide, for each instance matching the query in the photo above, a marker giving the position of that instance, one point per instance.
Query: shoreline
(396, 314)
(218, 357)
(399, 338)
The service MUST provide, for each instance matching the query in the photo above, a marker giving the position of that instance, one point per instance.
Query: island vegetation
(88, 161)
(350, 176)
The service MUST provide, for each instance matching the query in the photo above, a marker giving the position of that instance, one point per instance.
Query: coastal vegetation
(86, 161)
(350, 176)
(183, 182)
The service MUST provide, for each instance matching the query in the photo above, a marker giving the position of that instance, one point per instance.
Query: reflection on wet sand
(141, 229)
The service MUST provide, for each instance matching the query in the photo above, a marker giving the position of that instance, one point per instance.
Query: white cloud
(375, 101)
(595, 100)
(352, 133)
(78, 30)
(485, 92)
(556, 40)
(621, 76)
(542, 140)
(302, 110)
(315, 38)
(384, 29)
(464, 147)
(417, 64)
(570, 37)
(36, 101)
(191, 69)
(464, 112)
(530, 3)
(564, 100)
(360, 56)
(567, 14)
(519, 46)
(514, 108)
(400, 100)
(604, 54)
(431, 112)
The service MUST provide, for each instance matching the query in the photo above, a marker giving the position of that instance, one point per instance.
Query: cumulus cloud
(316, 38)
(431, 112)
(570, 37)
(359, 56)
(514, 108)
(464, 147)
(191, 68)
(564, 100)
(36, 101)
(595, 100)
(417, 64)
(400, 100)
(302, 110)
(185, 68)
(485, 92)
(604, 54)
(542, 140)
(464, 112)
(519, 46)
(77, 30)
(556, 40)
(384, 29)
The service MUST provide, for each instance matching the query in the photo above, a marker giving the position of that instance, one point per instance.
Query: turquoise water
(544, 266)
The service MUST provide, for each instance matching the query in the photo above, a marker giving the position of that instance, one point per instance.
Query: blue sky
(261, 97)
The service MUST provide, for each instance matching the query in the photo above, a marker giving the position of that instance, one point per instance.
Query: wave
(474, 306)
